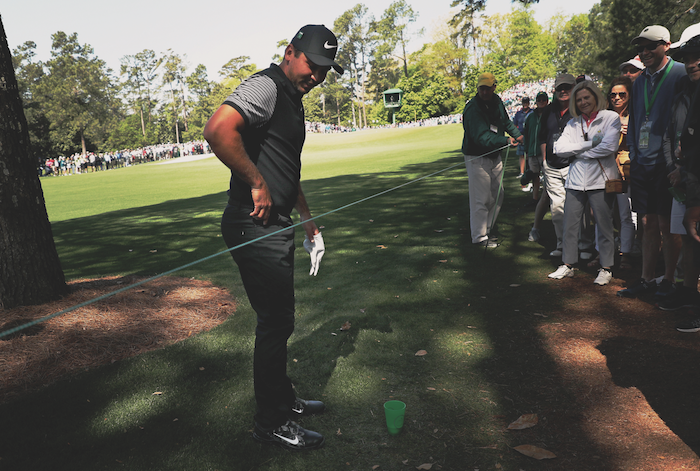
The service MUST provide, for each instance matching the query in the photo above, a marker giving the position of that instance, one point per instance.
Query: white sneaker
(527, 188)
(562, 272)
(555, 253)
(534, 235)
(604, 277)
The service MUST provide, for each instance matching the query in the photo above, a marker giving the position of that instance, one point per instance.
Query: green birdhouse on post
(392, 101)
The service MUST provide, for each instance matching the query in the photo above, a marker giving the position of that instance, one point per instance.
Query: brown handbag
(617, 185)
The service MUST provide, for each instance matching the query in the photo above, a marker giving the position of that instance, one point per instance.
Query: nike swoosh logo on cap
(288, 440)
(328, 46)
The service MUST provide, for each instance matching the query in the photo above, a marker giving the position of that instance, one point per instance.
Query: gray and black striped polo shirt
(273, 137)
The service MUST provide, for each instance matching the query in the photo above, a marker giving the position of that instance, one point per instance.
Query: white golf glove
(316, 249)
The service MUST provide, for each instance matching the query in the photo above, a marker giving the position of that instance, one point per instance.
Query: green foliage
(206, 106)
(445, 58)
(393, 30)
(77, 95)
(198, 83)
(465, 30)
(516, 49)
(471, 76)
(128, 134)
(377, 115)
(423, 97)
(332, 95)
(356, 42)
(141, 71)
(573, 43)
(238, 68)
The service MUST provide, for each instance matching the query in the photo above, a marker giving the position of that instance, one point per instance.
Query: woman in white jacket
(590, 140)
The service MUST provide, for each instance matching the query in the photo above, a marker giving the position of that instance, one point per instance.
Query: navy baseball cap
(319, 44)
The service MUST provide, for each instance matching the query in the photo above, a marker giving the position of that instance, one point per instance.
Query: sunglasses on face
(622, 95)
(648, 47)
(564, 89)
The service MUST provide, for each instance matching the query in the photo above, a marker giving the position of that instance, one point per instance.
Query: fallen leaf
(535, 452)
(432, 389)
(333, 333)
(405, 462)
(514, 285)
(438, 231)
(442, 261)
(425, 466)
(381, 246)
(376, 466)
(157, 393)
(421, 353)
(153, 251)
(524, 421)
(201, 368)
(338, 432)
(362, 311)
(346, 326)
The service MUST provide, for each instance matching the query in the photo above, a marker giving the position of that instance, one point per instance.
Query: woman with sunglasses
(619, 98)
(590, 139)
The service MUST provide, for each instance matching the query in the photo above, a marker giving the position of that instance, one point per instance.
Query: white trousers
(485, 199)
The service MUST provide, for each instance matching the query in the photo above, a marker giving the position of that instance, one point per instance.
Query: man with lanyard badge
(650, 113)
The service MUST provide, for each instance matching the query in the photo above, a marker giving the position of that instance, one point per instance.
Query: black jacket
(552, 124)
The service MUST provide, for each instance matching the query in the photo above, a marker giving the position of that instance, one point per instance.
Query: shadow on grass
(401, 268)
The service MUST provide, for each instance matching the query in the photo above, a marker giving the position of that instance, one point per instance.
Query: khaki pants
(485, 200)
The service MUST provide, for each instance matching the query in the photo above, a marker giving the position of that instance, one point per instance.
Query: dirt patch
(633, 375)
(135, 321)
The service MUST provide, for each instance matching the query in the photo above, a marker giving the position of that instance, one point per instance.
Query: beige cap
(653, 33)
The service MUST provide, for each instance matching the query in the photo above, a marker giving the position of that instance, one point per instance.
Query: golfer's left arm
(303, 209)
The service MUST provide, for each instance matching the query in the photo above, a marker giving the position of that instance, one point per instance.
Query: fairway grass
(324, 156)
(399, 268)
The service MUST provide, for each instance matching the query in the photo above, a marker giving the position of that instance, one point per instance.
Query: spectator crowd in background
(95, 162)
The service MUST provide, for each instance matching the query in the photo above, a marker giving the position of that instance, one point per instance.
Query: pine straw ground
(139, 320)
(634, 378)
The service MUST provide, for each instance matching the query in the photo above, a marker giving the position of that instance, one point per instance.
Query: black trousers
(267, 271)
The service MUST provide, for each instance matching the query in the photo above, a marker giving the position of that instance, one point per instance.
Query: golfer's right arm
(223, 132)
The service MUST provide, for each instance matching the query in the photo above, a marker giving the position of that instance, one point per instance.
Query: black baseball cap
(319, 44)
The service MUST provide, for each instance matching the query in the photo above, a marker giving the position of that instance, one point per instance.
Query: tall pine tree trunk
(30, 272)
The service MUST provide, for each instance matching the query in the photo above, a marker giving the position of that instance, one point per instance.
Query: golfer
(258, 133)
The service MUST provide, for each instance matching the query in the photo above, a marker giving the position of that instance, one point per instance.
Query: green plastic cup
(394, 412)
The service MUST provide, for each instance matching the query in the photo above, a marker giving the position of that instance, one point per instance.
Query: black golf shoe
(290, 436)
